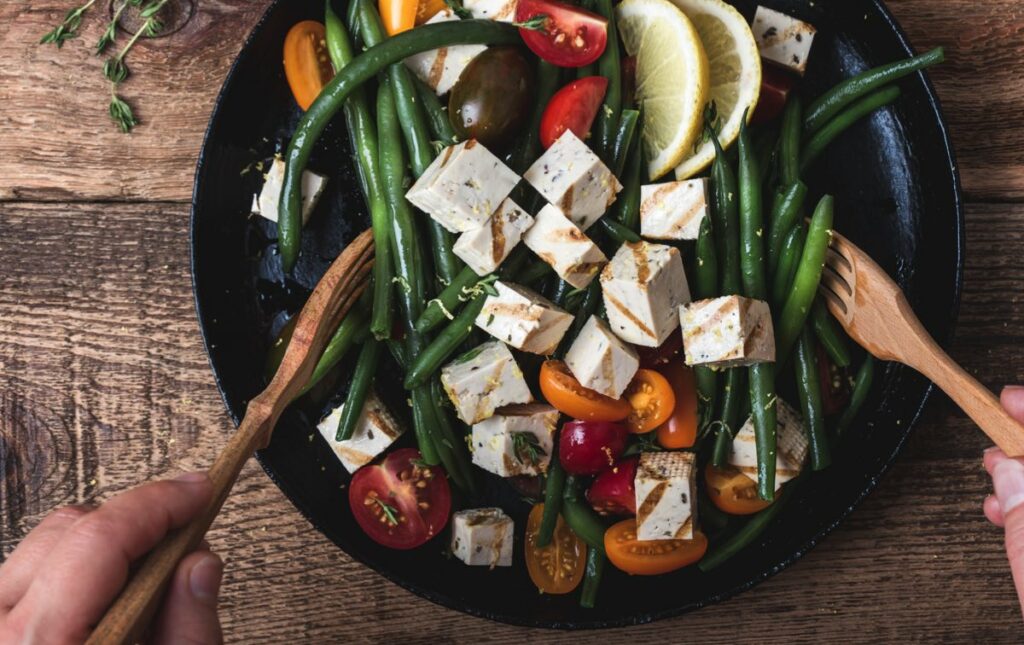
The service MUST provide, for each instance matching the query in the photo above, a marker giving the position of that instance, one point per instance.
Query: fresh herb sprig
(68, 28)
(526, 448)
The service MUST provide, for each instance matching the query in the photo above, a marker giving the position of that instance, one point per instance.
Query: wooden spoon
(130, 614)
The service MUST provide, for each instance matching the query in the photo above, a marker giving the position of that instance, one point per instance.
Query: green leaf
(526, 448)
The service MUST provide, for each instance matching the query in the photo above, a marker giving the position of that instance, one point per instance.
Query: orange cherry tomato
(732, 491)
(564, 392)
(652, 401)
(306, 63)
(427, 9)
(398, 15)
(558, 567)
(680, 430)
(650, 557)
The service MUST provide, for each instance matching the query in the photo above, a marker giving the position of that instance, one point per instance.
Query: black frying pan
(897, 195)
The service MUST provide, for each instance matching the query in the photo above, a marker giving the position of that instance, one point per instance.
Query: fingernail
(1008, 479)
(1013, 388)
(204, 579)
(990, 449)
(192, 478)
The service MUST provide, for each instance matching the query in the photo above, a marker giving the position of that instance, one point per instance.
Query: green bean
(361, 69)
(359, 389)
(828, 133)
(763, 413)
(592, 578)
(610, 67)
(451, 446)
(547, 78)
(624, 137)
(423, 421)
(730, 414)
(626, 208)
(397, 350)
(831, 337)
(437, 114)
(789, 257)
(805, 282)
(705, 285)
(766, 150)
(617, 231)
(554, 487)
(429, 360)
(352, 331)
(448, 302)
(582, 519)
(785, 215)
(591, 299)
(750, 532)
(789, 141)
(832, 102)
(727, 222)
(534, 272)
(861, 388)
(808, 387)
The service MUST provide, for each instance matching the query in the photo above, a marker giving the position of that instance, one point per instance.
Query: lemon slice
(671, 79)
(735, 67)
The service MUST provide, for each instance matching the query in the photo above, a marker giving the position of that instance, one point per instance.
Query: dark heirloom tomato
(572, 108)
(400, 503)
(732, 491)
(588, 447)
(569, 36)
(558, 567)
(775, 87)
(650, 557)
(613, 491)
(564, 392)
(492, 98)
(654, 357)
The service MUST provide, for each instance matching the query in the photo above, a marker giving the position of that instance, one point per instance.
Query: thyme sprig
(68, 28)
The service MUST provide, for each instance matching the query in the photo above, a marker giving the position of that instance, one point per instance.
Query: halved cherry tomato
(306, 63)
(613, 491)
(775, 87)
(588, 447)
(650, 557)
(400, 502)
(569, 37)
(652, 401)
(398, 15)
(427, 9)
(732, 491)
(564, 392)
(680, 430)
(572, 108)
(654, 357)
(835, 390)
(558, 567)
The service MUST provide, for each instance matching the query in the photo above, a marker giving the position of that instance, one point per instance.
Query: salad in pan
(597, 268)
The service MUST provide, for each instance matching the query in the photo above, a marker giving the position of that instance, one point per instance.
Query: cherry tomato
(492, 97)
(572, 108)
(399, 502)
(398, 15)
(569, 36)
(307, 65)
(427, 9)
(732, 491)
(588, 447)
(835, 390)
(655, 357)
(558, 567)
(564, 392)
(775, 87)
(652, 401)
(680, 430)
(613, 491)
(650, 557)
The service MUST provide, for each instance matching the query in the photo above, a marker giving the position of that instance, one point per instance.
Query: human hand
(59, 581)
(1005, 508)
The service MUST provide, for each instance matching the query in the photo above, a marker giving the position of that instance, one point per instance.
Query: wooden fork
(334, 295)
(876, 314)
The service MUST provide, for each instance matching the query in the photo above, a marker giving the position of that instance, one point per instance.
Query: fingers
(189, 613)
(1008, 479)
(89, 564)
(993, 513)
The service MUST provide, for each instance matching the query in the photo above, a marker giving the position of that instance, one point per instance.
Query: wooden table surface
(104, 382)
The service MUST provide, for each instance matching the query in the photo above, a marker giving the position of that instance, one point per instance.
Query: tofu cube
(482, 537)
(673, 210)
(375, 431)
(500, 10)
(665, 488)
(441, 68)
(643, 287)
(729, 331)
(600, 361)
(482, 380)
(524, 319)
(485, 248)
(265, 204)
(517, 440)
(783, 39)
(560, 243)
(791, 447)
(463, 187)
(572, 177)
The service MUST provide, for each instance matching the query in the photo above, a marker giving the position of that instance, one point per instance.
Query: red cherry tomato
(680, 430)
(588, 447)
(775, 87)
(569, 37)
(400, 503)
(572, 108)
(613, 491)
(655, 357)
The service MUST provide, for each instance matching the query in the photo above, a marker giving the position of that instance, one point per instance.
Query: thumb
(1008, 479)
(189, 613)
(1012, 398)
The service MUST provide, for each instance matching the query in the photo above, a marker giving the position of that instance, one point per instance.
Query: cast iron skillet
(897, 195)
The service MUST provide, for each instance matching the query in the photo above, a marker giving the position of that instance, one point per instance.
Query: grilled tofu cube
(441, 68)
(791, 449)
(572, 177)
(517, 440)
(482, 537)
(485, 248)
(727, 332)
(673, 210)
(500, 10)
(665, 487)
(560, 243)
(643, 286)
(783, 39)
(265, 204)
(463, 187)
(482, 380)
(375, 431)
(600, 361)
(524, 319)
